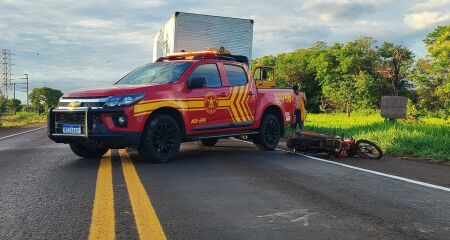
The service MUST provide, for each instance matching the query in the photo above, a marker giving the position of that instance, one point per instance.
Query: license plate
(71, 129)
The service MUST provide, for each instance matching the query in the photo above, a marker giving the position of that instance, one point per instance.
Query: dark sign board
(393, 107)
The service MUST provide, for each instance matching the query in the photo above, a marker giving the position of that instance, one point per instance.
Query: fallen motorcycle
(334, 146)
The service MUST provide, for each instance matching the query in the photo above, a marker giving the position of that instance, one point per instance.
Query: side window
(236, 75)
(257, 74)
(210, 72)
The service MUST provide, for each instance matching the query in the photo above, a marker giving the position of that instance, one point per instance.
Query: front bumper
(92, 128)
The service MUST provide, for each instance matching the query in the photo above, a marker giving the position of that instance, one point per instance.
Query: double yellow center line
(103, 218)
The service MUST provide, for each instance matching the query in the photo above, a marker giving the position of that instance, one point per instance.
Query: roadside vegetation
(428, 137)
(344, 83)
(14, 114)
(21, 119)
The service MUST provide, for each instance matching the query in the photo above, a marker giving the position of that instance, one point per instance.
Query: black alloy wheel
(269, 133)
(161, 140)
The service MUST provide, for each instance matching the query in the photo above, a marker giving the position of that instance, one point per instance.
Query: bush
(3, 104)
(14, 105)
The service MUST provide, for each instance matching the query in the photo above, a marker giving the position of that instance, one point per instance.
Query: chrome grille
(82, 104)
(71, 117)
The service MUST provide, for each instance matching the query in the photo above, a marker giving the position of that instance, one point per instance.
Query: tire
(269, 133)
(368, 149)
(88, 149)
(161, 139)
(208, 142)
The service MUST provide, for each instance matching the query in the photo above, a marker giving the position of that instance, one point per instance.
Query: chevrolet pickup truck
(197, 96)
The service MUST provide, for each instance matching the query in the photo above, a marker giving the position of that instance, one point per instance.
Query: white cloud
(425, 19)
(335, 10)
(95, 23)
(429, 5)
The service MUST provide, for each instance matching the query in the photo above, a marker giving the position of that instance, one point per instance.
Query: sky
(77, 44)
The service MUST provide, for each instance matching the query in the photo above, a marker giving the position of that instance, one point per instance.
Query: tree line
(41, 100)
(354, 75)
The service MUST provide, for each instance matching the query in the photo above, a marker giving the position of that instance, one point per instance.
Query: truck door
(204, 108)
(264, 77)
(243, 95)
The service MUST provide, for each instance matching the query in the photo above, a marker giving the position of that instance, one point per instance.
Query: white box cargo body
(197, 32)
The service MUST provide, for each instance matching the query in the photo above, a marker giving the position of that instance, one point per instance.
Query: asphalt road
(231, 191)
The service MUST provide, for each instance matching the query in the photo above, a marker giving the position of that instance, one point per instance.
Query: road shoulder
(14, 130)
(407, 167)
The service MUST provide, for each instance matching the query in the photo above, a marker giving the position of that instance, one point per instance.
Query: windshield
(156, 73)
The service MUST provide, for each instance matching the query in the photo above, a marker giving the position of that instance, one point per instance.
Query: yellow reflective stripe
(168, 99)
(249, 112)
(152, 106)
(243, 103)
(196, 104)
(238, 105)
(233, 109)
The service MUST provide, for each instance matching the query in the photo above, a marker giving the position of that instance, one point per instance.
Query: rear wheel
(368, 149)
(161, 139)
(88, 149)
(269, 133)
(208, 142)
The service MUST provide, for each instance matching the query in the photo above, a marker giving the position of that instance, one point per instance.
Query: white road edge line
(366, 170)
(32, 130)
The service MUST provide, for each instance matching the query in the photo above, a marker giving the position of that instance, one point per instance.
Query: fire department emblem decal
(211, 103)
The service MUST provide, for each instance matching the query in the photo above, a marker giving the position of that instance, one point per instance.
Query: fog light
(120, 120)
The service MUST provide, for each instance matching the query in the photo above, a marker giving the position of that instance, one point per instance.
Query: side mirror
(197, 82)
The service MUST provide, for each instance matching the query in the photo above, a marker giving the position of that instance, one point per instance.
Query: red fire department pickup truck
(197, 96)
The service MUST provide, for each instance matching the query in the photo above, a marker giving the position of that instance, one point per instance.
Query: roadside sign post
(393, 107)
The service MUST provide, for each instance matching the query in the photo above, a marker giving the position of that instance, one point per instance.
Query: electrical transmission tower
(5, 65)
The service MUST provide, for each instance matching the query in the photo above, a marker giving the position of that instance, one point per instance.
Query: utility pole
(22, 83)
(26, 78)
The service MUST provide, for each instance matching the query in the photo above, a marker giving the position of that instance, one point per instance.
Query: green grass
(428, 138)
(21, 119)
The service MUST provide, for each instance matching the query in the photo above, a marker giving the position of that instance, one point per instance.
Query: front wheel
(161, 139)
(368, 149)
(88, 149)
(269, 133)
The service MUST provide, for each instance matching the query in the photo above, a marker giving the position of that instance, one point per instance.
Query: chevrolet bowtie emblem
(74, 104)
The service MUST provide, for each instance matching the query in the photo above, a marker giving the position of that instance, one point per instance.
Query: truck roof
(178, 13)
(200, 55)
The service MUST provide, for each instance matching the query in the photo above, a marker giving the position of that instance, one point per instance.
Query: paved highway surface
(231, 191)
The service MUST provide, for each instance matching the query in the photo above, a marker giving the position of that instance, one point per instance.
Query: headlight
(123, 100)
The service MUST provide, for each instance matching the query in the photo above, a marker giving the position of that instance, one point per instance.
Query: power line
(21, 83)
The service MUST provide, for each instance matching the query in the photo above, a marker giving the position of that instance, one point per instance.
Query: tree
(392, 67)
(3, 104)
(432, 75)
(296, 68)
(345, 72)
(14, 105)
(438, 45)
(43, 98)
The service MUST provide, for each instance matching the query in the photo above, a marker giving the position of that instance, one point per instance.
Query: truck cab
(196, 96)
